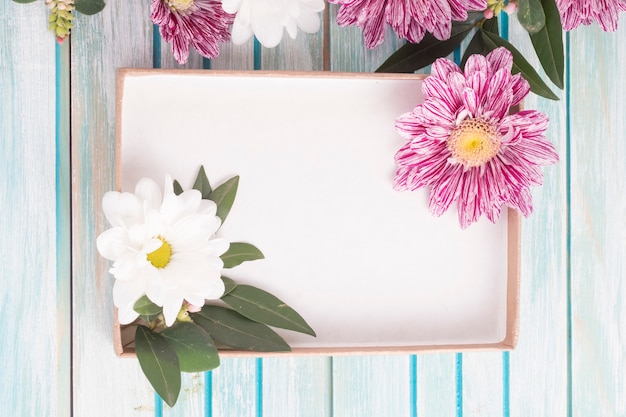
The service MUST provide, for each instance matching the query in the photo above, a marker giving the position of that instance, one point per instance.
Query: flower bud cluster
(60, 17)
(494, 7)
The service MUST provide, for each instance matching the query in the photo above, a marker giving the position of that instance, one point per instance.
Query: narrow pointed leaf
(24, 1)
(159, 363)
(89, 6)
(240, 252)
(491, 26)
(202, 184)
(232, 329)
(145, 307)
(530, 15)
(194, 347)
(411, 57)
(229, 285)
(548, 44)
(263, 307)
(224, 197)
(537, 85)
(178, 190)
(476, 45)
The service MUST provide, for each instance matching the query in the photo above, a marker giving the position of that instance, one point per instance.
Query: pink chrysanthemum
(202, 23)
(409, 19)
(577, 12)
(464, 145)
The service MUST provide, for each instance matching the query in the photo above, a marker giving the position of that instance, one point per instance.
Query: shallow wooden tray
(368, 267)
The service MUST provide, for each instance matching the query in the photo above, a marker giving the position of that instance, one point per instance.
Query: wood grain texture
(436, 385)
(371, 386)
(234, 392)
(598, 212)
(297, 387)
(35, 370)
(120, 36)
(482, 394)
(538, 367)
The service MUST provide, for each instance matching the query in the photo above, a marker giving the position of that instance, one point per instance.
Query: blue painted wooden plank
(63, 229)
(371, 386)
(437, 385)
(121, 35)
(538, 367)
(297, 386)
(33, 354)
(234, 388)
(598, 209)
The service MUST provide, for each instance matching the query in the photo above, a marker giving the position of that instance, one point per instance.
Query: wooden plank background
(57, 121)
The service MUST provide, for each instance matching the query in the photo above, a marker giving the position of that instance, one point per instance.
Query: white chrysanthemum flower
(267, 18)
(164, 248)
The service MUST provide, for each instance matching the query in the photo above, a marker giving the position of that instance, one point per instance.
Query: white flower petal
(121, 209)
(309, 22)
(142, 223)
(109, 241)
(172, 304)
(148, 190)
(231, 6)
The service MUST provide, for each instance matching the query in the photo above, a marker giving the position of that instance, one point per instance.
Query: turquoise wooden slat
(297, 386)
(598, 209)
(437, 385)
(121, 35)
(63, 232)
(482, 384)
(235, 388)
(35, 336)
(538, 367)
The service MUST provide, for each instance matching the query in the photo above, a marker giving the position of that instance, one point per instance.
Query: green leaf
(24, 1)
(178, 190)
(159, 363)
(224, 197)
(537, 85)
(202, 184)
(89, 6)
(476, 45)
(240, 252)
(263, 307)
(491, 25)
(411, 57)
(530, 15)
(145, 307)
(194, 347)
(548, 43)
(229, 285)
(232, 329)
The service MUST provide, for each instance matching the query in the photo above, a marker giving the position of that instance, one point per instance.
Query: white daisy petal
(268, 19)
(163, 246)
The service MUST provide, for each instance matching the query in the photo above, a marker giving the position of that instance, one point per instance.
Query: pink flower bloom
(202, 23)
(577, 12)
(462, 142)
(409, 19)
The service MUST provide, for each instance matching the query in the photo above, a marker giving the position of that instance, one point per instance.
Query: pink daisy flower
(577, 12)
(202, 23)
(465, 146)
(409, 19)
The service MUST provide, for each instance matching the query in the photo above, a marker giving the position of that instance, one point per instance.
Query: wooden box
(368, 267)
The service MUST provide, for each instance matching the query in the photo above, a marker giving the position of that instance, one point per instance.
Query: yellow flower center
(179, 5)
(161, 256)
(474, 142)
